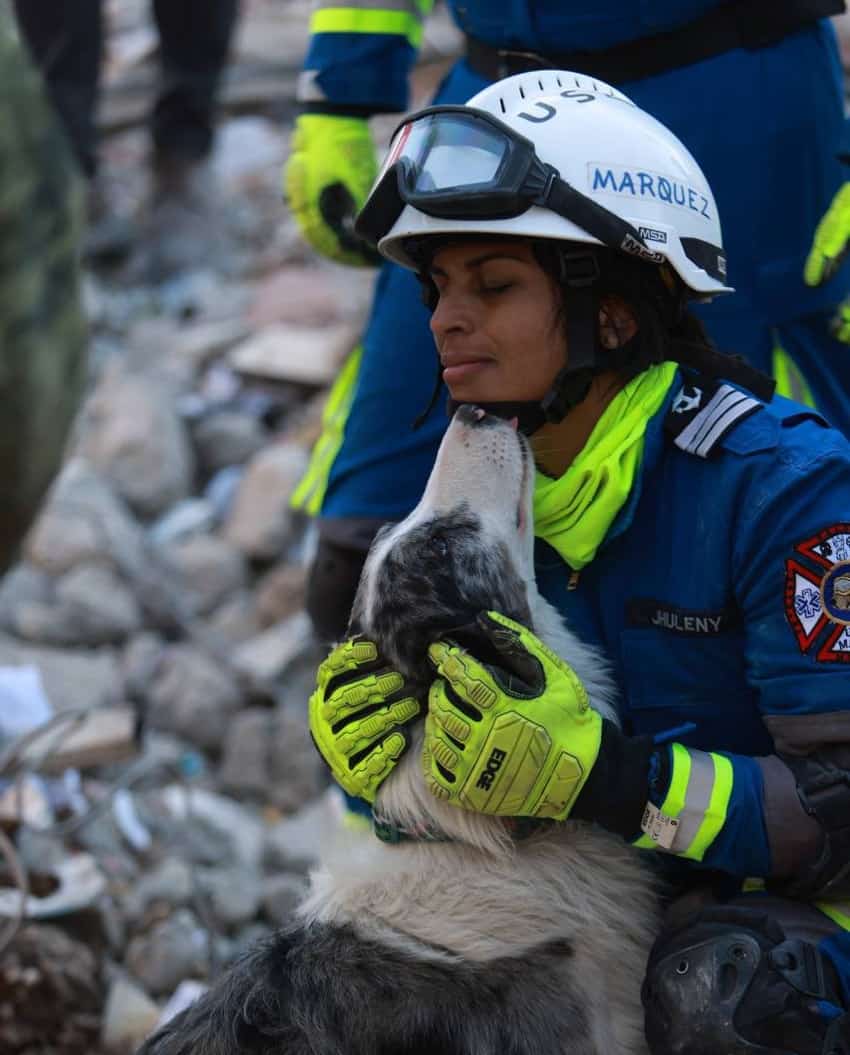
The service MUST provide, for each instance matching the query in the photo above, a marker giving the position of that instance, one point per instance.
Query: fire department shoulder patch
(817, 594)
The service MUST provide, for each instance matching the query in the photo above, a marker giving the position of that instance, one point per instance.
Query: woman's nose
(451, 315)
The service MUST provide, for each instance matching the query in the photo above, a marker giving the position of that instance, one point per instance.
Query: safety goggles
(459, 163)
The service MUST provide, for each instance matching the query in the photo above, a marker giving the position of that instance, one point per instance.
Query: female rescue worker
(693, 528)
(718, 73)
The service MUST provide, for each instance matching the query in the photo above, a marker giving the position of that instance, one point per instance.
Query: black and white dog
(472, 943)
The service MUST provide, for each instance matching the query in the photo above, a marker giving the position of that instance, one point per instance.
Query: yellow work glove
(517, 737)
(360, 715)
(330, 171)
(830, 243)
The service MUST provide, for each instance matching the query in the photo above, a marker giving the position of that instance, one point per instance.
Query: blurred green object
(841, 323)
(326, 181)
(831, 240)
(43, 338)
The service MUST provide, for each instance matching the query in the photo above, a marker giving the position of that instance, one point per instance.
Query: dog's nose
(472, 416)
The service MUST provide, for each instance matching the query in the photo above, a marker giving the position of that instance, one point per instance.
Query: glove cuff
(615, 793)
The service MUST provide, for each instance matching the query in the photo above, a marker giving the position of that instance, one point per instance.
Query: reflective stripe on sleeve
(309, 495)
(402, 19)
(694, 809)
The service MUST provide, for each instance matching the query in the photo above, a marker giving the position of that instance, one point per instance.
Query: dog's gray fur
(476, 945)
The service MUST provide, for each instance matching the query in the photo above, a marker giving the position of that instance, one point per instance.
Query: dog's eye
(439, 544)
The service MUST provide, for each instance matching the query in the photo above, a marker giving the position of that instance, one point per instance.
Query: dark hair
(655, 294)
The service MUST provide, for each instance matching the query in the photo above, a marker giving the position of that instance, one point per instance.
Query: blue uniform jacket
(718, 598)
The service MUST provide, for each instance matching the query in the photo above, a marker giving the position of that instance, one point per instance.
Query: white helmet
(616, 176)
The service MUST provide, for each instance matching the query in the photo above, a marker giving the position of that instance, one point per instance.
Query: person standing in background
(66, 41)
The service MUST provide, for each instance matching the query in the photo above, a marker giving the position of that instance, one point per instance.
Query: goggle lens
(446, 152)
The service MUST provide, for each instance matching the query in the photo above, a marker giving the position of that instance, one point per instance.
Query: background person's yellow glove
(831, 241)
(360, 715)
(515, 735)
(330, 171)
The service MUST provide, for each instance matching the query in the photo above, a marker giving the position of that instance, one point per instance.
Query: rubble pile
(160, 800)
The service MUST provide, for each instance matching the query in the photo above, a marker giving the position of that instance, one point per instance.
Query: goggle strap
(601, 223)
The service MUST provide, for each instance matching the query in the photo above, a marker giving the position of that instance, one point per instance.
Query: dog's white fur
(482, 896)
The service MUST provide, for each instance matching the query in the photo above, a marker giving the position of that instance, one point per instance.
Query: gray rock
(70, 678)
(23, 584)
(303, 355)
(294, 844)
(221, 491)
(296, 772)
(173, 949)
(95, 607)
(227, 438)
(128, 1017)
(211, 568)
(261, 522)
(282, 894)
(134, 436)
(265, 657)
(170, 883)
(83, 520)
(236, 620)
(246, 145)
(204, 340)
(241, 828)
(189, 517)
(245, 763)
(192, 696)
(281, 593)
(91, 605)
(139, 663)
(233, 894)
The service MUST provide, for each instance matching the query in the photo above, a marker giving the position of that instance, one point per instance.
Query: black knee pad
(331, 586)
(729, 981)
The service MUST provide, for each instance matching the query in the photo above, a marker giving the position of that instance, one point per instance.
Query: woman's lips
(454, 373)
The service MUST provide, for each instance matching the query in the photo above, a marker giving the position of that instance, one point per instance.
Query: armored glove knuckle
(347, 657)
(534, 739)
(443, 714)
(465, 675)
